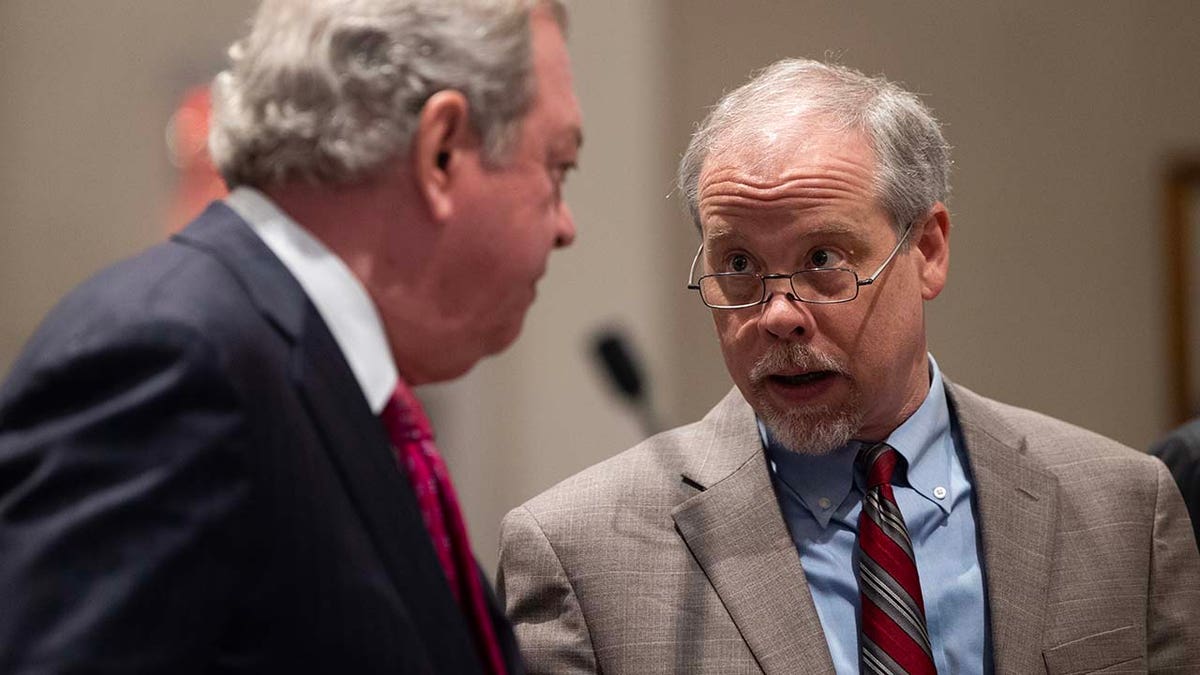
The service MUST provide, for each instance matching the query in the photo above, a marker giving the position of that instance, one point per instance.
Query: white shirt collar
(337, 294)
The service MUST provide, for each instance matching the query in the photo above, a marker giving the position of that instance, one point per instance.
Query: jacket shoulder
(169, 293)
(646, 476)
(1059, 446)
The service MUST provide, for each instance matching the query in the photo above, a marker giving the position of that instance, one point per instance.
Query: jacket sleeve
(1173, 623)
(120, 497)
(540, 600)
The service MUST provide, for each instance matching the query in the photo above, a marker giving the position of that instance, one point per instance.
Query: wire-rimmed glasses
(817, 285)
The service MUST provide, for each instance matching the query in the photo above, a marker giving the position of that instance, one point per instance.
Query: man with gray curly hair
(211, 458)
(846, 508)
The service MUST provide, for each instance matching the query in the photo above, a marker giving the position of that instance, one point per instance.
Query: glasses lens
(828, 285)
(730, 290)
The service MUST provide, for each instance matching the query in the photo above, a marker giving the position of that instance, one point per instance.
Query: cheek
(846, 327)
(736, 335)
(887, 335)
(724, 324)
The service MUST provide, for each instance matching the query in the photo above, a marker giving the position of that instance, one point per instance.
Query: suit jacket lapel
(1017, 503)
(735, 530)
(353, 436)
(358, 445)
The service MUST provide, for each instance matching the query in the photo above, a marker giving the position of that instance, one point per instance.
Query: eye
(824, 257)
(559, 173)
(738, 262)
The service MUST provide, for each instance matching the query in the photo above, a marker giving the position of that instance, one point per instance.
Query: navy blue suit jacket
(1180, 451)
(192, 481)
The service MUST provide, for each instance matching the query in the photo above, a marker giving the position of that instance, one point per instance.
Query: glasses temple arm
(871, 279)
(692, 271)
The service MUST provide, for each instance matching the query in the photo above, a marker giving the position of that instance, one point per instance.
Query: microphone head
(617, 358)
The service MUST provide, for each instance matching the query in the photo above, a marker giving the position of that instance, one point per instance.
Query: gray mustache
(792, 356)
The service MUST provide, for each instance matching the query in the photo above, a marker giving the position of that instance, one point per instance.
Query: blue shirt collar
(823, 483)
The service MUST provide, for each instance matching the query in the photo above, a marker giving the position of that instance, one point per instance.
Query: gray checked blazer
(673, 557)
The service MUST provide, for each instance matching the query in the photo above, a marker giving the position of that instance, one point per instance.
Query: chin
(812, 429)
(812, 432)
(504, 341)
(433, 373)
(503, 335)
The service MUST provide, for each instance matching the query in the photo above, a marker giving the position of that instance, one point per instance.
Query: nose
(783, 316)
(564, 233)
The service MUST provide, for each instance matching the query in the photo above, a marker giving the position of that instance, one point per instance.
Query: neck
(906, 401)
(360, 223)
(380, 230)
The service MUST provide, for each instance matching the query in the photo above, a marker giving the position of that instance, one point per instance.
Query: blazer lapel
(358, 445)
(351, 434)
(221, 233)
(735, 530)
(1017, 503)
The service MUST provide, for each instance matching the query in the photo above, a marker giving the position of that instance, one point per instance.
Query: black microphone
(620, 363)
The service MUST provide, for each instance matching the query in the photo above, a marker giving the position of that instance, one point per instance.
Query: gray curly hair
(913, 158)
(329, 90)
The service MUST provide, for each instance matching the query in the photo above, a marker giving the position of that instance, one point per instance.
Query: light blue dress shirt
(821, 499)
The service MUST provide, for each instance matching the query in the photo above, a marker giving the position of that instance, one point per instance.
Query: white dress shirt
(338, 295)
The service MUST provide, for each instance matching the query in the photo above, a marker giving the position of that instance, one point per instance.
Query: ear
(440, 143)
(933, 246)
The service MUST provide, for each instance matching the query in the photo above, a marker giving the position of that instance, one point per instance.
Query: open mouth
(803, 378)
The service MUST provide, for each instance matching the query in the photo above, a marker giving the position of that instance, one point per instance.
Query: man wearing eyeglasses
(846, 508)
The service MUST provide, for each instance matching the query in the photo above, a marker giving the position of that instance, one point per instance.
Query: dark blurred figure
(211, 458)
(1180, 451)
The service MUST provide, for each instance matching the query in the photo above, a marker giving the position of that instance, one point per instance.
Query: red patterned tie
(412, 440)
(894, 637)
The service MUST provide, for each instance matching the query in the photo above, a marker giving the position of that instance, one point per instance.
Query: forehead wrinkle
(834, 163)
(720, 230)
(725, 203)
(835, 172)
(847, 177)
(728, 197)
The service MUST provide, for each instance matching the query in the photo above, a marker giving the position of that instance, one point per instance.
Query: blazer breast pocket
(1111, 652)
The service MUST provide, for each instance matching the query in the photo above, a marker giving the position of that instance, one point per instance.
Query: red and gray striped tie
(894, 640)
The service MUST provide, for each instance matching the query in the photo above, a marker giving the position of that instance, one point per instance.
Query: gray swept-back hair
(329, 90)
(912, 156)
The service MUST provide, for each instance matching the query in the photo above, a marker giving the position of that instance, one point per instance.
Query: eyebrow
(719, 231)
(835, 227)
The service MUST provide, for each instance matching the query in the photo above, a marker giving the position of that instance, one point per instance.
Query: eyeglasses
(818, 285)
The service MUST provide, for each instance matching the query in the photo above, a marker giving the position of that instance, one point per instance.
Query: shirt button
(939, 492)
(824, 502)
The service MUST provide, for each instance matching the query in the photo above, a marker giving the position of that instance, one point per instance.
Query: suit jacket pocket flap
(1094, 652)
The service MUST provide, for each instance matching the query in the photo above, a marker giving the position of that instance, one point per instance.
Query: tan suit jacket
(673, 557)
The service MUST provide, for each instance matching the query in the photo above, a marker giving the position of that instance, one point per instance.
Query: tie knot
(878, 463)
(405, 418)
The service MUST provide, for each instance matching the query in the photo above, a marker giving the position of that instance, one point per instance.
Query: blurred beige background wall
(1061, 115)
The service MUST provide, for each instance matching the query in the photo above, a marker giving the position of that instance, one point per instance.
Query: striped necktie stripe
(894, 638)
